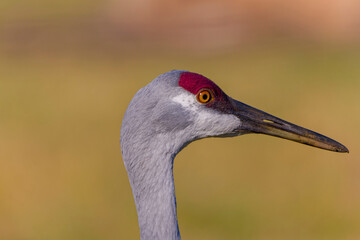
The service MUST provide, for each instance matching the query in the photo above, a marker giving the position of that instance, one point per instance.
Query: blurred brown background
(69, 69)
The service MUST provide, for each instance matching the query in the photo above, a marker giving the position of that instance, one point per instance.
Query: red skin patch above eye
(193, 82)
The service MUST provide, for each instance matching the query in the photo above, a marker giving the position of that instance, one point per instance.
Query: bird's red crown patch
(193, 82)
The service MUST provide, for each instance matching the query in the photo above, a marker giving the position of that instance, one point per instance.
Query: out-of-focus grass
(49, 10)
(62, 177)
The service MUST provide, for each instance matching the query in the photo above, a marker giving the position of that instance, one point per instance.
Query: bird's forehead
(193, 82)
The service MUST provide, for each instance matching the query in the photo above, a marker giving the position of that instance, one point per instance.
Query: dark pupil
(205, 96)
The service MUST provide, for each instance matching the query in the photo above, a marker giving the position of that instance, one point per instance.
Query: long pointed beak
(257, 121)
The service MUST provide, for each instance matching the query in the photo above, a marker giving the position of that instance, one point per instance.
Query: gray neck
(151, 178)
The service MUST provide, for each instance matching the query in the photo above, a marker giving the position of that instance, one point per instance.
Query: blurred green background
(69, 69)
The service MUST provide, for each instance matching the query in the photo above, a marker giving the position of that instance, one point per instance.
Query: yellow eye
(204, 96)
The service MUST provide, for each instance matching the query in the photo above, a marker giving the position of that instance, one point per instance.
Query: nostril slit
(270, 121)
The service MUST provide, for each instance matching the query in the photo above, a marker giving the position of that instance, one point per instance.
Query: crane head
(189, 106)
(170, 112)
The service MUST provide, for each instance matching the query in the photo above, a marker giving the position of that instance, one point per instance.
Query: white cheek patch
(206, 121)
(187, 101)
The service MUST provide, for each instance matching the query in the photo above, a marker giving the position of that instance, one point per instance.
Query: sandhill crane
(173, 110)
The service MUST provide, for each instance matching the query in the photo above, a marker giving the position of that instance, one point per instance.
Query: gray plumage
(161, 119)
